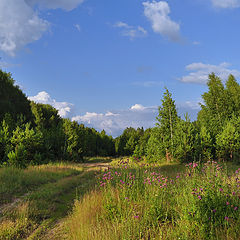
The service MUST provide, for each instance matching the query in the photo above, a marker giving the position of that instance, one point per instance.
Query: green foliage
(26, 144)
(167, 120)
(185, 140)
(12, 99)
(228, 141)
(198, 202)
(155, 147)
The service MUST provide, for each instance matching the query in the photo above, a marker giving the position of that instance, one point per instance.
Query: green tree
(12, 99)
(26, 146)
(228, 141)
(185, 133)
(167, 120)
(155, 149)
(232, 96)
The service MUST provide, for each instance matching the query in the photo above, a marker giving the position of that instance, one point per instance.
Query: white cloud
(158, 15)
(67, 5)
(64, 108)
(190, 107)
(115, 122)
(78, 27)
(226, 3)
(131, 31)
(19, 25)
(138, 107)
(199, 72)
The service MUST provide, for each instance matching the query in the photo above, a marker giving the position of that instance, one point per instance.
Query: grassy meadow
(120, 199)
(196, 201)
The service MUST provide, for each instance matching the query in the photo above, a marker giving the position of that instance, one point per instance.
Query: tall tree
(12, 99)
(185, 132)
(167, 120)
(233, 96)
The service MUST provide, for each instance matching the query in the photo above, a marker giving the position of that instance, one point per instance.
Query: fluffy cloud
(67, 5)
(158, 15)
(226, 3)
(20, 23)
(199, 72)
(131, 31)
(64, 108)
(115, 122)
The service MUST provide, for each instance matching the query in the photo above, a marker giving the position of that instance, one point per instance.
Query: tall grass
(200, 202)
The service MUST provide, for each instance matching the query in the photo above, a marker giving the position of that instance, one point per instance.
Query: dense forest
(33, 133)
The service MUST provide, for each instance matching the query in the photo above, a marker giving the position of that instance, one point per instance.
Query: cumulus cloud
(130, 31)
(158, 14)
(226, 3)
(114, 122)
(67, 5)
(64, 108)
(199, 72)
(20, 24)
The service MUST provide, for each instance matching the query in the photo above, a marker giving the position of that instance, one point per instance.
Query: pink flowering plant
(203, 199)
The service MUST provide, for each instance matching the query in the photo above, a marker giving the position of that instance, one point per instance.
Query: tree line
(214, 135)
(34, 133)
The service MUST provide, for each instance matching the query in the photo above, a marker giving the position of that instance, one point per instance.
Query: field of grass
(197, 201)
(131, 200)
(35, 200)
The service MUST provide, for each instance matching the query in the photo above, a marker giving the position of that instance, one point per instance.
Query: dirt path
(54, 200)
(96, 166)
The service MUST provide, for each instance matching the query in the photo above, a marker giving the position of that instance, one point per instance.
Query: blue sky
(105, 63)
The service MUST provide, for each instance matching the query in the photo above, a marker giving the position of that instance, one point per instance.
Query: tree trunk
(168, 156)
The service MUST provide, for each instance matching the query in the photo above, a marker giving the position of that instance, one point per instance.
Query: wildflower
(236, 208)
(226, 218)
(214, 210)
(137, 217)
(233, 193)
(220, 189)
(177, 176)
(227, 203)
(199, 197)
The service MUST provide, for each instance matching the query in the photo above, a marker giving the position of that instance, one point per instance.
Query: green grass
(88, 201)
(160, 202)
(16, 182)
(51, 190)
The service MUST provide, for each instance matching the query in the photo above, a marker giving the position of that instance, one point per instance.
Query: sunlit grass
(160, 202)
(15, 182)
